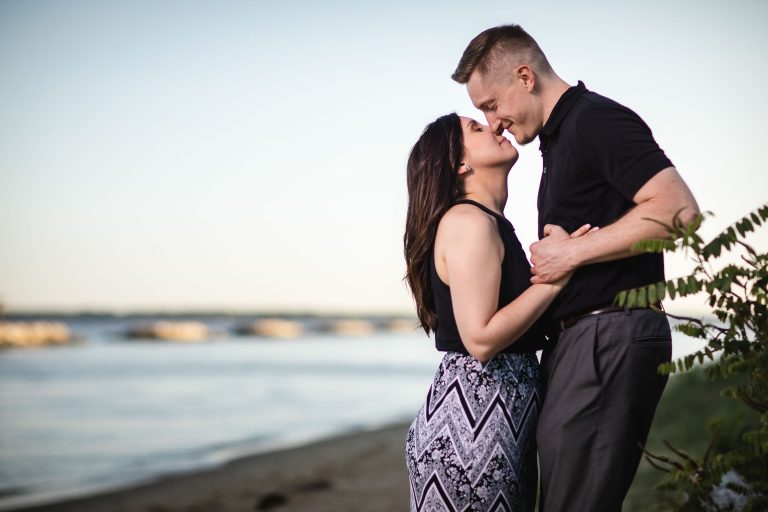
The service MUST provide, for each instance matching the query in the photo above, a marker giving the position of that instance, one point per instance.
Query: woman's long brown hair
(433, 186)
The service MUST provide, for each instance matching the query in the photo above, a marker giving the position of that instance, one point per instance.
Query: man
(601, 166)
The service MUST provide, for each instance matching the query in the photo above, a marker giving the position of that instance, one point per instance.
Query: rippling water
(107, 413)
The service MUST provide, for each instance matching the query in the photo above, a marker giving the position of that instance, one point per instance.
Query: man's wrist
(572, 254)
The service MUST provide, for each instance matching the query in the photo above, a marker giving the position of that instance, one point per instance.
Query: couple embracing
(497, 425)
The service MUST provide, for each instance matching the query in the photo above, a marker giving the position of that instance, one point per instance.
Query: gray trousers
(601, 387)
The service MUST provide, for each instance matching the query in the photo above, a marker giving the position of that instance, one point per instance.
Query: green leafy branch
(737, 346)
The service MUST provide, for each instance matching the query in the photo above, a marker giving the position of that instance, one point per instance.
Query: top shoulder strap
(486, 210)
(479, 205)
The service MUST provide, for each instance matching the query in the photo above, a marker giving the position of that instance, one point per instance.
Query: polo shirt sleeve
(619, 145)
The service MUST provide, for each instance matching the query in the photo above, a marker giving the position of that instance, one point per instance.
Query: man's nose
(495, 125)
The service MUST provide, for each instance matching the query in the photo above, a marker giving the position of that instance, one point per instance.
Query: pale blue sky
(251, 155)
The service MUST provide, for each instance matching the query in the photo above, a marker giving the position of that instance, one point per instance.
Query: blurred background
(203, 206)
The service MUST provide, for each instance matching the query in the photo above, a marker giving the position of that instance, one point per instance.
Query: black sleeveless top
(515, 279)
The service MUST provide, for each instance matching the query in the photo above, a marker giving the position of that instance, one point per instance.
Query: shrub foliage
(735, 478)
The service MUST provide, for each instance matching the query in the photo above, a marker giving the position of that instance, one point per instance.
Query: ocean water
(108, 413)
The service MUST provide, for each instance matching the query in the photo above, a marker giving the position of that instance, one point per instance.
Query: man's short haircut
(498, 48)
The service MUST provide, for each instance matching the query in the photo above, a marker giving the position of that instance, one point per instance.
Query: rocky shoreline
(37, 332)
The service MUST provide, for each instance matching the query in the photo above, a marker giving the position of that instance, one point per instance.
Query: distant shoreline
(201, 313)
(360, 471)
(38, 329)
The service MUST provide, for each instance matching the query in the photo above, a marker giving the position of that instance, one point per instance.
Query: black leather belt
(562, 324)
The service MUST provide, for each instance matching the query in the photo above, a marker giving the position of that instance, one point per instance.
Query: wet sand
(361, 472)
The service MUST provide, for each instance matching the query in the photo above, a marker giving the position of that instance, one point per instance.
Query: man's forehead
(480, 90)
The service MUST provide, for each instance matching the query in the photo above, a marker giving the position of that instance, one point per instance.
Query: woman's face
(484, 149)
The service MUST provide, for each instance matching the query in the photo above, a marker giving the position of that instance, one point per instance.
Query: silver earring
(469, 168)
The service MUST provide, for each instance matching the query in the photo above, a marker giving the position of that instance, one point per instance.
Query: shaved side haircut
(497, 51)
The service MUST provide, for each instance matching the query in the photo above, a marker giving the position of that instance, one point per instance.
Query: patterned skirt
(472, 445)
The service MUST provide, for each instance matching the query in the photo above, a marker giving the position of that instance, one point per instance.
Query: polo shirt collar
(563, 105)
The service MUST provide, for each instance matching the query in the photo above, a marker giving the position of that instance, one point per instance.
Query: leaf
(654, 245)
(632, 298)
(697, 239)
(671, 289)
(744, 226)
(664, 368)
(714, 248)
(696, 222)
(642, 300)
(690, 329)
(652, 298)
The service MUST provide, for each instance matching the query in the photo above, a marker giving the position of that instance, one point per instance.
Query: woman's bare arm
(471, 247)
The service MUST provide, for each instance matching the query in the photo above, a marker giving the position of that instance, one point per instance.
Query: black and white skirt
(472, 445)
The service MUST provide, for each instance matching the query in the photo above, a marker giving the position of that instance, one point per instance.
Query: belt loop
(627, 311)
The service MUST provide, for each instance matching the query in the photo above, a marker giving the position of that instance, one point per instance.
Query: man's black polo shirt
(597, 154)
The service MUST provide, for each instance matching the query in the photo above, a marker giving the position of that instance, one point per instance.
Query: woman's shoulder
(465, 219)
(466, 234)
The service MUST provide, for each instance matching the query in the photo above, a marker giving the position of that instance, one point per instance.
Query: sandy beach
(361, 472)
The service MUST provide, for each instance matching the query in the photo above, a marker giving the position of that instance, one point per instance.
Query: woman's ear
(465, 169)
(464, 166)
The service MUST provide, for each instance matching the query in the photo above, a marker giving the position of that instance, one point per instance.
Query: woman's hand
(558, 233)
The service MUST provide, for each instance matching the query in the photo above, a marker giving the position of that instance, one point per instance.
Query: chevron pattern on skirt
(472, 444)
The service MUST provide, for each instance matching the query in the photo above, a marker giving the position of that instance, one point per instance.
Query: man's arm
(660, 198)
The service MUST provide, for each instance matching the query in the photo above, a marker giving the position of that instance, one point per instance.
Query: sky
(243, 155)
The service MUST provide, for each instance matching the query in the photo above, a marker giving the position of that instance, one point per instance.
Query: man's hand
(550, 255)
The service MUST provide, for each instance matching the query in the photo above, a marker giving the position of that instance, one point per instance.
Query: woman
(471, 446)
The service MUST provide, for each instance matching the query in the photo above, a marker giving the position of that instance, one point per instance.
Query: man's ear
(524, 74)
